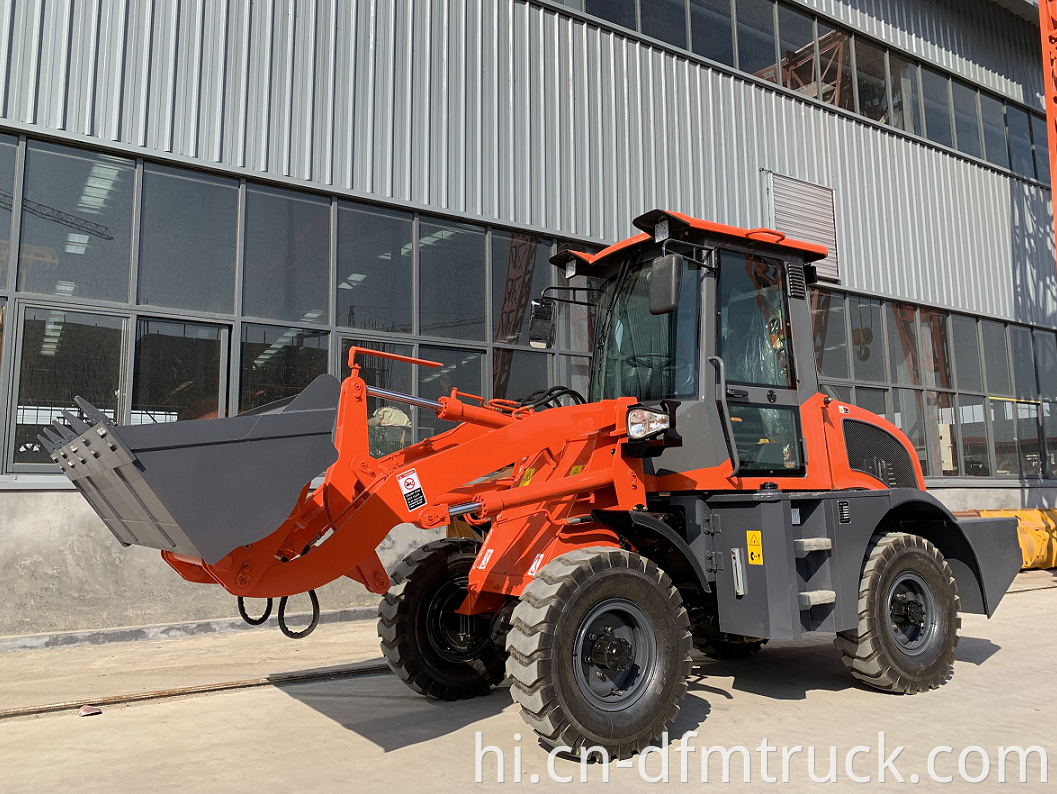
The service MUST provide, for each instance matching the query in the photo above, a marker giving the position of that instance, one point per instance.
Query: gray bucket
(203, 487)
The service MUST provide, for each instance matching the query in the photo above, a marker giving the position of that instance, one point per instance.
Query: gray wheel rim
(608, 689)
(912, 616)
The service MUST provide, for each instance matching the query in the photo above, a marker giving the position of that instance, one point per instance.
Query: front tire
(599, 652)
(431, 648)
(908, 617)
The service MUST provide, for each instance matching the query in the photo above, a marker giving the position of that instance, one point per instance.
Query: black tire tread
(860, 649)
(529, 644)
(395, 630)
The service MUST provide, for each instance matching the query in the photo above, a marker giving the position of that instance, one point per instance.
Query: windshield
(643, 355)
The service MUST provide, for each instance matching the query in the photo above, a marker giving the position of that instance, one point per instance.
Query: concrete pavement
(350, 733)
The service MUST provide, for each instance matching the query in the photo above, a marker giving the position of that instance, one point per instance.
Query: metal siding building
(519, 117)
(521, 114)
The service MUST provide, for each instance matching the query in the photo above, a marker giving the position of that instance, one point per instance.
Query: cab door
(754, 355)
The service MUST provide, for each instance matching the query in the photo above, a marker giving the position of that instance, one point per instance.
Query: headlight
(643, 423)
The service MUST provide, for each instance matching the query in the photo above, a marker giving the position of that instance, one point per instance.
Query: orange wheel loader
(703, 495)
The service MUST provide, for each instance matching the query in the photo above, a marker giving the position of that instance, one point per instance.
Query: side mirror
(541, 324)
(666, 277)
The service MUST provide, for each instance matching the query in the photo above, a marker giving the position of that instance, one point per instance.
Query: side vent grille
(797, 282)
(878, 453)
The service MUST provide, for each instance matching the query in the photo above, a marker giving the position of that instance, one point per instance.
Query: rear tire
(908, 617)
(599, 652)
(433, 650)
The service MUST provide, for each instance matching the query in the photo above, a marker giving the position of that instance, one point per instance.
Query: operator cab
(710, 324)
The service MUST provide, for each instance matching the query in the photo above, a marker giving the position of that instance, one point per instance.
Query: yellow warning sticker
(754, 540)
(526, 478)
(575, 470)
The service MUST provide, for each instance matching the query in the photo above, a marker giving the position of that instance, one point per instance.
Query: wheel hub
(614, 654)
(912, 614)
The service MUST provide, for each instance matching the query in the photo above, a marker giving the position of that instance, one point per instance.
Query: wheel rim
(913, 618)
(614, 655)
(456, 638)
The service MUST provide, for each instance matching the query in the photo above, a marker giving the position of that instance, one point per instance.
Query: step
(803, 546)
(814, 598)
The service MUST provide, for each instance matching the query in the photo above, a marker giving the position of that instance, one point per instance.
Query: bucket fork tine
(94, 414)
(76, 423)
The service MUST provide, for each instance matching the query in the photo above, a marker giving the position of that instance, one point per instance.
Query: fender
(983, 553)
(679, 561)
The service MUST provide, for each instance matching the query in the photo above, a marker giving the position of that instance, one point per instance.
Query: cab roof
(811, 252)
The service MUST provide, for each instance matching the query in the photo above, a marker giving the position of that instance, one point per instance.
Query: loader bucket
(204, 487)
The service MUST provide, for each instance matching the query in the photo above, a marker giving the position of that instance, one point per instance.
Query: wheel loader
(704, 495)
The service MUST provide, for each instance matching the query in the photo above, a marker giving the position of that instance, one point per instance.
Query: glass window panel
(997, 357)
(389, 423)
(521, 269)
(287, 255)
(518, 373)
(972, 422)
(967, 353)
(829, 333)
(766, 438)
(574, 372)
(994, 124)
(872, 80)
(842, 393)
(460, 369)
(871, 400)
(1046, 361)
(1004, 432)
(176, 372)
(187, 243)
(936, 349)
(1019, 141)
(712, 30)
(1049, 431)
(1023, 363)
(375, 251)
(903, 344)
(753, 335)
(908, 417)
(1042, 152)
(279, 362)
(451, 280)
(834, 52)
(906, 96)
(942, 435)
(1028, 448)
(8, 150)
(756, 45)
(665, 20)
(64, 354)
(966, 119)
(866, 339)
(934, 89)
(76, 224)
(620, 12)
(796, 34)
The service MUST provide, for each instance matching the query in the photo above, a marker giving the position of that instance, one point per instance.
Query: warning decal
(526, 478)
(754, 540)
(411, 488)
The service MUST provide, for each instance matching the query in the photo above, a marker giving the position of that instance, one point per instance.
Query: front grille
(878, 453)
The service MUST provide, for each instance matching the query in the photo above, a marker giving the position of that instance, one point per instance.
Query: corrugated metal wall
(975, 39)
(506, 111)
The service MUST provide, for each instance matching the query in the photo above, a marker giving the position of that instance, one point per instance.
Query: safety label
(526, 478)
(411, 488)
(754, 540)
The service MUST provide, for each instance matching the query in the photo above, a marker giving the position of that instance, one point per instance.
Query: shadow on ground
(381, 709)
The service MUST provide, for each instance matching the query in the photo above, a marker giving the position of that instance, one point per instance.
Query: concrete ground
(348, 734)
